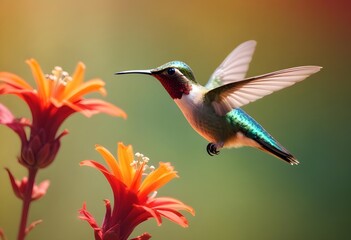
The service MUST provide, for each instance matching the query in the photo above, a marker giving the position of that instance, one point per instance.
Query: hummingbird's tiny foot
(212, 149)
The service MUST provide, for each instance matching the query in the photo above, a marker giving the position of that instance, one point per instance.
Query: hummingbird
(214, 110)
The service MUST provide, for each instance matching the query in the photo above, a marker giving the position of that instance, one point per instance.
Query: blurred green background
(240, 194)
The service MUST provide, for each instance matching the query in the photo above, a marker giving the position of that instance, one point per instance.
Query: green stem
(27, 199)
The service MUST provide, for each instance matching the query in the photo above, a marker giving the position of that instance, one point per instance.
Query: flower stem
(27, 199)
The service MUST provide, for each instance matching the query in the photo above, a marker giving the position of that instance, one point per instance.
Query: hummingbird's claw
(212, 149)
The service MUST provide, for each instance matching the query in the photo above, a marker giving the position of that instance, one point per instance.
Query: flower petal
(6, 116)
(95, 85)
(14, 81)
(171, 203)
(40, 190)
(137, 178)
(85, 215)
(155, 180)
(144, 236)
(42, 83)
(77, 78)
(74, 107)
(125, 158)
(174, 216)
(94, 106)
(107, 214)
(118, 187)
(17, 125)
(153, 213)
(110, 160)
(95, 165)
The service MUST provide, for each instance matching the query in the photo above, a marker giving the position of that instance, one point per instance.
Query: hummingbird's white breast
(201, 116)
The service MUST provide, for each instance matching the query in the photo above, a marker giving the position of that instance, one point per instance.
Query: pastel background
(240, 194)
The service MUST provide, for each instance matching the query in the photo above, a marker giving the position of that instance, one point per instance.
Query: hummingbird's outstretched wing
(237, 94)
(234, 67)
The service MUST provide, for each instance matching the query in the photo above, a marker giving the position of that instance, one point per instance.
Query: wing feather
(234, 66)
(239, 93)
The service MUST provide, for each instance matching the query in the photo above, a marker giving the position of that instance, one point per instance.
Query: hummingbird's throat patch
(176, 89)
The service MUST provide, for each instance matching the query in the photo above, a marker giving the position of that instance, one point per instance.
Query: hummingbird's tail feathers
(280, 153)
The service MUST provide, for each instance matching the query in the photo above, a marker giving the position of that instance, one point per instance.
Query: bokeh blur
(239, 194)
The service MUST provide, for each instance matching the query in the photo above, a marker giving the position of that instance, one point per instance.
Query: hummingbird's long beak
(147, 72)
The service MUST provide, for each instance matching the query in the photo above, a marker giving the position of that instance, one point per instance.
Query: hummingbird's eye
(171, 71)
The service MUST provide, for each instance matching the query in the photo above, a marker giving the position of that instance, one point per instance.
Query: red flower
(135, 198)
(57, 97)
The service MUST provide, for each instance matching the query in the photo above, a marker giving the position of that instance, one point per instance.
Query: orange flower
(134, 184)
(57, 96)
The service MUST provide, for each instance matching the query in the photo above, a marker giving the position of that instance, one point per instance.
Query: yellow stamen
(57, 82)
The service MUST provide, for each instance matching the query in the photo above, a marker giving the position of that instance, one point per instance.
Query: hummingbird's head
(176, 77)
